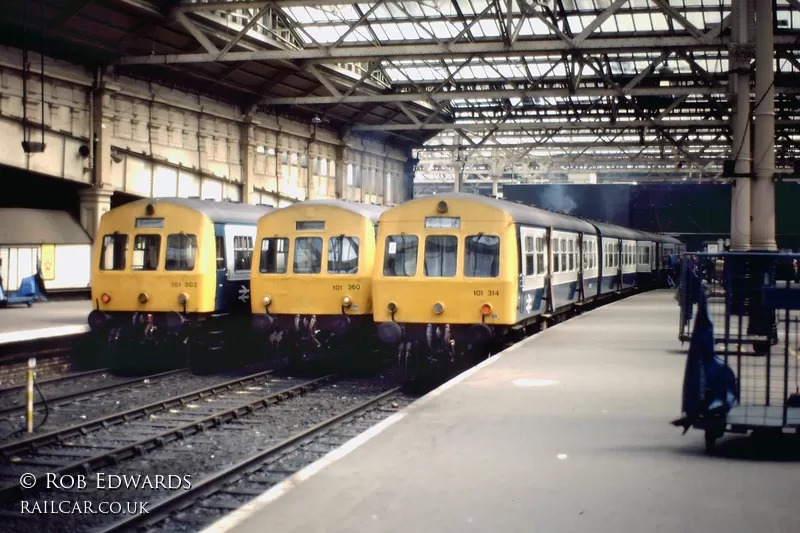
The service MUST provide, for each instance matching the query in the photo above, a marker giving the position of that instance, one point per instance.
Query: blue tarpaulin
(709, 384)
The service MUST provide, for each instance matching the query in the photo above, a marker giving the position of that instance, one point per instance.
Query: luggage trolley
(745, 376)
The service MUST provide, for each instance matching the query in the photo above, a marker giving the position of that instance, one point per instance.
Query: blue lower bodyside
(629, 280)
(609, 284)
(590, 288)
(565, 293)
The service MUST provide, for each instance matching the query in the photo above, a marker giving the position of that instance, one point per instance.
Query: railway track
(122, 436)
(231, 488)
(72, 397)
(60, 379)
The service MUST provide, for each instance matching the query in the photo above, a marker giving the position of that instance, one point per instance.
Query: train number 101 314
(490, 292)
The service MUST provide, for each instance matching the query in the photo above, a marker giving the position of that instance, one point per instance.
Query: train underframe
(345, 340)
(140, 343)
(429, 350)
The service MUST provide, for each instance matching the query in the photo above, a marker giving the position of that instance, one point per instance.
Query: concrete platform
(44, 320)
(566, 432)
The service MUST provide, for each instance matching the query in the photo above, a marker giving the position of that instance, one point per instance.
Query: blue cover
(708, 384)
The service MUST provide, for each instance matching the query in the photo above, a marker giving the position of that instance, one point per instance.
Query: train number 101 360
(350, 287)
(490, 292)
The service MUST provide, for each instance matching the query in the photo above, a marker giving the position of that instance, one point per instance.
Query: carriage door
(239, 244)
(535, 267)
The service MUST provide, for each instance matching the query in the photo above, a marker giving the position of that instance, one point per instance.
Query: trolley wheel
(711, 441)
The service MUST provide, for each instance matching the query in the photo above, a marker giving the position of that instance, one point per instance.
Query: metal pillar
(740, 54)
(763, 190)
(458, 167)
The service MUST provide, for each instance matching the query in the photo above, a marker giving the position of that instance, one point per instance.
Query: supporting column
(763, 191)
(94, 203)
(341, 173)
(247, 151)
(740, 55)
(458, 179)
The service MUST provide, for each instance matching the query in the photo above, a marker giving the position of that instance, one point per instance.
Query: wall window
(307, 255)
(220, 241)
(145, 252)
(540, 255)
(181, 252)
(274, 256)
(440, 256)
(113, 252)
(529, 254)
(400, 256)
(482, 256)
(242, 253)
(343, 255)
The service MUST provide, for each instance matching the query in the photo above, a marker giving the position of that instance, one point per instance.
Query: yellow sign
(49, 262)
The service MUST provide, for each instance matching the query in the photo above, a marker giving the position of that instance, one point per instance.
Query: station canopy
(532, 86)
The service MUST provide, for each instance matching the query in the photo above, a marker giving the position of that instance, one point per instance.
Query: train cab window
(145, 252)
(274, 256)
(220, 241)
(400, 256)
(556, 255)
(540, 255)
(440, 256)
(482, 256)
(343, 255)
(307, 255)
(181, 252)
(242, 253)
(529, 253)
(113, 252)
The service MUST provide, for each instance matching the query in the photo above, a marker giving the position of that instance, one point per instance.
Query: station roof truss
(533, 86)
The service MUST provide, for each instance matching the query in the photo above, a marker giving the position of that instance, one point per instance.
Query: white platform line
(237, 517)
(44, 333)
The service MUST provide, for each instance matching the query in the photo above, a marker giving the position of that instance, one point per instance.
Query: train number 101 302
(176, 284)
(490, 292)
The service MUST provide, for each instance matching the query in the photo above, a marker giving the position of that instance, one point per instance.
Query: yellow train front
(312, 279)
(439, 285)
(171, 282)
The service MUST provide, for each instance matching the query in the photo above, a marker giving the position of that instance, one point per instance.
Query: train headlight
(486, 309)
(143, 298)
(347, 301)
(106, 297)
(266, 301)
(392, 307)
(183, 298)
(438, 308)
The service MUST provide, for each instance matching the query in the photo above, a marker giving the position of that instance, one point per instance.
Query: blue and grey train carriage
(173, 273)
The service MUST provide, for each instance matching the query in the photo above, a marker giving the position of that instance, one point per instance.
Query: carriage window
(307, 255)
(540, 255)
(482, 256)
(571, 255)
(585, 255)
(529, 259)
(563, 255)
(556, 260)
(400, 258)
(274, 256)
(440, 256)
(242, 253)
(181, 252)
(113, 252)
(343, 255)
(646, 256)
(145, 252)
(220, 252)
